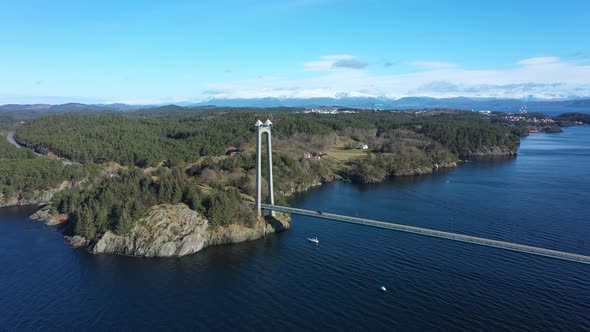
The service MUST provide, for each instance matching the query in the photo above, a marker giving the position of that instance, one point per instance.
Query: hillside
(152, 158)
(27, 111)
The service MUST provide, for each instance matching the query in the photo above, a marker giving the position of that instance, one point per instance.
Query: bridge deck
(434, 233)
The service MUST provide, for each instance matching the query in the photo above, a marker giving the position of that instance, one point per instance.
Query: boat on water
(383, 289)
(313, 240)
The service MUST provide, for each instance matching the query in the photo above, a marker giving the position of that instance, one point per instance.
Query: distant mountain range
(22, 111)
(70, 107)
(505, 105)
(402, 103)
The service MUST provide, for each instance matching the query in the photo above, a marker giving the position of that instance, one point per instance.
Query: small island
(170, 181)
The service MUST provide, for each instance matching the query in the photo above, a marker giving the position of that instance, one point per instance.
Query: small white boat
(383, 288)
(314, 240)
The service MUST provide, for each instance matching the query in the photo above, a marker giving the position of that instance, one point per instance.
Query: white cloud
(545, 60)
(350, 64)
(544, 78)
(432, 64)
(329, 62)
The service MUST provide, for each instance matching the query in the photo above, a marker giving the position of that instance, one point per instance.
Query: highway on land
(12, 140)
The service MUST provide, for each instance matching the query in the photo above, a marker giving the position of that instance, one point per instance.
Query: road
(12, 140)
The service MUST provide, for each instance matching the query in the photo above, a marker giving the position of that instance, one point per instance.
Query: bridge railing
(436, 233)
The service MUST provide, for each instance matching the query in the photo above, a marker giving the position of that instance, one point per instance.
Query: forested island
(170, 181)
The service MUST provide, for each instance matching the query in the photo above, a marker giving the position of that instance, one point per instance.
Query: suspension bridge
(270, 207)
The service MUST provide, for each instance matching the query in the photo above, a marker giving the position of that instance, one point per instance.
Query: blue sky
(171, 51)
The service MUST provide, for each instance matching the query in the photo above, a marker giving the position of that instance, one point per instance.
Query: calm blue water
(551, 110)
(285, 283)
(555, 110)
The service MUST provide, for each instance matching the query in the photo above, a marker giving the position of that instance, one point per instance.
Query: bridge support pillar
(262, 128)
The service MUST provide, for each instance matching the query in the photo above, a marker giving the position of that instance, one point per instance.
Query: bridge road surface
(434, 233)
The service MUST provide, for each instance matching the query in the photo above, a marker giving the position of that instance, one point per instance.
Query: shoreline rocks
(40, 197)
(427, 170)
(175, 231)
(77, 241)
(491, 151)
(298, 189)
(49, 219)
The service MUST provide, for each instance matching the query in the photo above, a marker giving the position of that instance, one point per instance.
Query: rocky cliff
(50, 219)
(490, 151)
(297, 188)
(38, 197)
(425, 170)
(174, 231)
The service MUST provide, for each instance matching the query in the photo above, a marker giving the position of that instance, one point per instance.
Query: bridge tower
(262, 128)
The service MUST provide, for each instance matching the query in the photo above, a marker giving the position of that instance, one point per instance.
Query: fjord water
(284, 282)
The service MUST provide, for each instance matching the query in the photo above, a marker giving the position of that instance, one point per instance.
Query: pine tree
(124, 224)
(191, 198)
(84, 223)
(101, 220)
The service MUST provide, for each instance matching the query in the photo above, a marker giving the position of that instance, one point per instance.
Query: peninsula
(170, 181)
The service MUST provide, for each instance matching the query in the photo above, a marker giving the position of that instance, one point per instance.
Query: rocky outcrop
(174, 231)
(45, 215)
(300, 188)
(552, 129)
(379, 175)
(77, 241)
(490, 151)
(166, 231)
(426, 170)
(239, 233)
(38, 197)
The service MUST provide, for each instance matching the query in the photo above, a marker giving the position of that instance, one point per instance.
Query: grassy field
(343, 154)
(338, 151)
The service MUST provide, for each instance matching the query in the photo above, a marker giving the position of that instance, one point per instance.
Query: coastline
(39, 198)
(176, 231)
(184, 244)
(149, 238)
